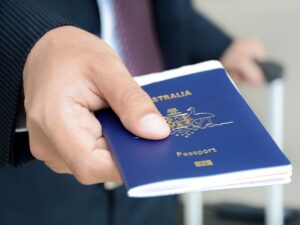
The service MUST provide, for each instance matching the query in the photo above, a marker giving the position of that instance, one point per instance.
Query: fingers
(75, 146)
(106, 171)
(40, 146)
(255, 47)
(58, 166)
(92, 167)
(101, 143)
(83, 150)
(238, 79)
(133, 106)
(252, 73)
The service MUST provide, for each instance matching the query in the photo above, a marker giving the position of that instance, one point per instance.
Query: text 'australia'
(171, 96)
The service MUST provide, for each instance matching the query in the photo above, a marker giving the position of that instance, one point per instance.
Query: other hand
(240, 61)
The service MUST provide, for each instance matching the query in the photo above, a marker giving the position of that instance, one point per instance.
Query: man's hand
(68, 75)
(240, 61)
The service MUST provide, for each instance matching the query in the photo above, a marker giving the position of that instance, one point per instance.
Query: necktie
(138, 45)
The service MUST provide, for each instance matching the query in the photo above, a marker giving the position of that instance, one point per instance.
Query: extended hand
(68, 75)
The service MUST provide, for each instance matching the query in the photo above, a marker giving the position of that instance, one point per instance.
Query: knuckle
(32, 116)
(93, 66)
(83, 174)
(32, 109)
(40, 154)
(36, 151)
(134, 103)
(35, 119)
(37, 154)
(134, 96)
(56, 168)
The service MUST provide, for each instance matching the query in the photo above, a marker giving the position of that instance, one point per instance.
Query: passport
(216, 140)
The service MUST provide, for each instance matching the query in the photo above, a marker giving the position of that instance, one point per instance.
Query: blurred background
(277, 24)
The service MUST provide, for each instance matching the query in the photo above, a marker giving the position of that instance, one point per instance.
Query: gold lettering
(187, 93)
(166, 97)
(214, 150)
(203, 163)
(179, 154)
(197, 152)
(154, 99)
(161, 98)
(178, 95)
(171, 96)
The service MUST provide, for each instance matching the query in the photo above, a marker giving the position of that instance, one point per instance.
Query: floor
(215, 214)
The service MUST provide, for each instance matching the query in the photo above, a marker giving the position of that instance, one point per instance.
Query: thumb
(134, 107)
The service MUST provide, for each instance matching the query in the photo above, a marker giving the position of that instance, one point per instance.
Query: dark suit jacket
(184, 36)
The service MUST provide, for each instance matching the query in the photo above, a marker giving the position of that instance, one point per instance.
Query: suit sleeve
(21, 26)
(207, 40)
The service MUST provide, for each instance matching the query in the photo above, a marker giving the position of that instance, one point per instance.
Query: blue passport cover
(213, 131)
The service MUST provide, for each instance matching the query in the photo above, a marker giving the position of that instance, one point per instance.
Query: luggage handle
(272, 70)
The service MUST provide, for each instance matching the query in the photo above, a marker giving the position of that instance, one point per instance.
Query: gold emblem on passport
(187, 123)
(203, 163)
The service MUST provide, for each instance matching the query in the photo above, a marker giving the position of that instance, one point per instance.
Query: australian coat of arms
(187, 123)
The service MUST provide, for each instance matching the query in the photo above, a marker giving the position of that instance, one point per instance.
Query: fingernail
(155, 125)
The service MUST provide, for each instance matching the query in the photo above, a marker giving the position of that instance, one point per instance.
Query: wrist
(45, 44)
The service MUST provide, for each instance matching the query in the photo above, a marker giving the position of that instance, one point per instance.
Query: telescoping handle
(274, 76)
